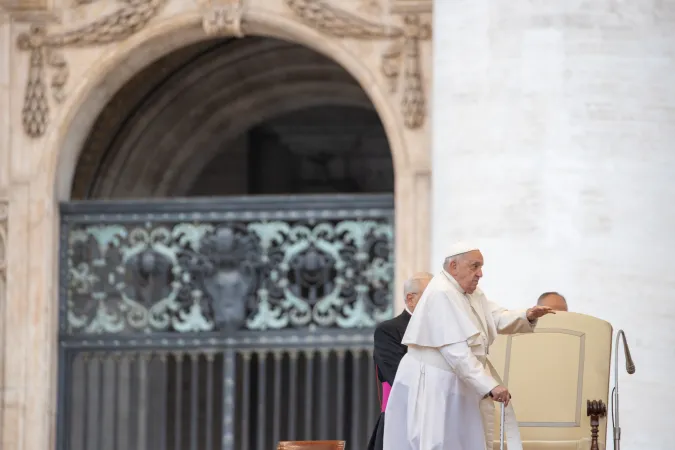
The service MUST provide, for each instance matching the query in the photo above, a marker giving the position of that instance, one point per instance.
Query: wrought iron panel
(200, 266)
(221, 324)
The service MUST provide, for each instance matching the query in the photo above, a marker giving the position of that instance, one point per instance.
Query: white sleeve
(467, 367)
(510, 322)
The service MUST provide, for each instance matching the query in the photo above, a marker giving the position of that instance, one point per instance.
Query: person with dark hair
(553, 300)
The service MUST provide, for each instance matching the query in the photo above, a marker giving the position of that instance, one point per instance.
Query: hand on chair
(537, 311)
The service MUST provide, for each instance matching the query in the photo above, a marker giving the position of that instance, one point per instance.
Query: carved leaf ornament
(402, 55)
(44, 48)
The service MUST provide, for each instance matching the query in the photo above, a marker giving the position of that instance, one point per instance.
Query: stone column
(554, 149)
(28, 314)
(4, 182)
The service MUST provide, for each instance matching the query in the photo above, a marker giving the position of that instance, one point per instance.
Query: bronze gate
(232, 323)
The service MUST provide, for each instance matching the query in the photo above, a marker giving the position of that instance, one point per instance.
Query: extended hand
(537, 311)
(501, 394)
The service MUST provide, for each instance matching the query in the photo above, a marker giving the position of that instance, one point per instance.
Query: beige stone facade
(61, 62)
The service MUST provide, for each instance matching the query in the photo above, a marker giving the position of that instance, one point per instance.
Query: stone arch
(111, 72)
(86, 100)
(42, 172)
(194, 93)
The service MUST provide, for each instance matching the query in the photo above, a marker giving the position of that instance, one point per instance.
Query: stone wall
(555, 129)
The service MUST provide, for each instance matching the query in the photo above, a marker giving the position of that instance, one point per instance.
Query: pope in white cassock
(445, 387)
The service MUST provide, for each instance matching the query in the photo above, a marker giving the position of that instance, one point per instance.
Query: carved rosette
(45, 52)
(403, 55)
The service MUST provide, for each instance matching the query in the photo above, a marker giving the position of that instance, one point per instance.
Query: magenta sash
(386, 389)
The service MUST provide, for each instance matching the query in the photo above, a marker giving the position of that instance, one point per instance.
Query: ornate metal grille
(221, 324)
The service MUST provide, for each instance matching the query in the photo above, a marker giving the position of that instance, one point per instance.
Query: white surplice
(438, 400)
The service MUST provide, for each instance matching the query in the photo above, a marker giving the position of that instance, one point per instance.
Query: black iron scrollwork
(241, 274)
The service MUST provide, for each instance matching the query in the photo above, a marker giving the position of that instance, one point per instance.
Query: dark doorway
(319, 150)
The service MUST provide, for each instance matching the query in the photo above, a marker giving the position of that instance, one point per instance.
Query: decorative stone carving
(403, 54)
(223, 17)
(44, 49)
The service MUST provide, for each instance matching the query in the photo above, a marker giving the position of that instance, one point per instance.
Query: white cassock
(438, 400)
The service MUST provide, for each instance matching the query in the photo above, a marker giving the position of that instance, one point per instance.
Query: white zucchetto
(460, 247)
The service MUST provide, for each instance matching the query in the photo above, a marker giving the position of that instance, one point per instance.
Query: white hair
(413, 284)
(449, 259)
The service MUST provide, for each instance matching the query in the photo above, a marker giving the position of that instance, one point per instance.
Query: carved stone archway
(387, 57)
(69, 71)
(178, 121)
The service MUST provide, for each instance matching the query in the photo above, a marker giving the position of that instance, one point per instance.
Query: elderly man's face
(467, 270)
(555, 302)
(413, 298)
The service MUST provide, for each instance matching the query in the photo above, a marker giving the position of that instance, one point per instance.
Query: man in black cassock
(389, 351)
